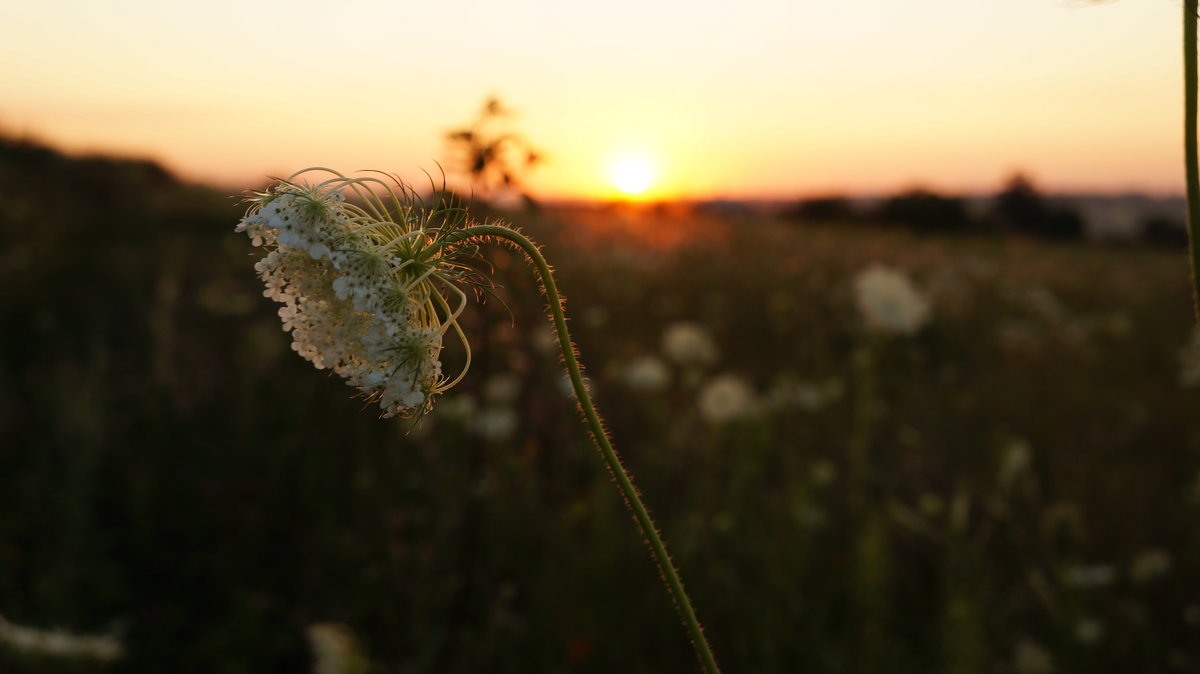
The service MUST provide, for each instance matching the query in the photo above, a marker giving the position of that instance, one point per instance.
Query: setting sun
(632, 175)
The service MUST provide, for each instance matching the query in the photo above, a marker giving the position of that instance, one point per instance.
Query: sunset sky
(757, 98)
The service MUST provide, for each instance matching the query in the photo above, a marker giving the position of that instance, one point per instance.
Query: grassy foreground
(171, 473)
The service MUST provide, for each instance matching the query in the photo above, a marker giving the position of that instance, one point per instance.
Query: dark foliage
(926, 211)
(1158, 231)
(1020, 207)
(822, 209)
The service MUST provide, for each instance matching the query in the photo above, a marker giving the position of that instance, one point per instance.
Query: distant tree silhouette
(1160, 231)
(1020, 207)
(492, 158)
(924, 210)
(822, 209)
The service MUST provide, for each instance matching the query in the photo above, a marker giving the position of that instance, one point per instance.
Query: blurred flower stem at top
(1191, 161)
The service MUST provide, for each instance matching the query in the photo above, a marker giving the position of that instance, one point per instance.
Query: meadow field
(1012, 488)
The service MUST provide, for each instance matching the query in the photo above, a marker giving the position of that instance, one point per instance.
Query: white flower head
(646, 373)
(1150, 564)
(889, 302)
(495, 423)
(1086, 576)
(59, 643)
(1016, 461)
(335, 650)
(726, 398)
(688, 343)
(502, 388)
(368, 289)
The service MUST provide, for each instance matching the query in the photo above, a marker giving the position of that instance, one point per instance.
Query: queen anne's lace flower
(726, 398)
(59, 643)
(335, 649)
(646, 373)
(889, 302)
(362, 287)
(688, 343)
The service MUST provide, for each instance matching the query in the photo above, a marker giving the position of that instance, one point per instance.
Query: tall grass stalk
(633, 501)
(1191, 161)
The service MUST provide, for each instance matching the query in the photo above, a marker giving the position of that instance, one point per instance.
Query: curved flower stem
(1191, 163)
(657, 549)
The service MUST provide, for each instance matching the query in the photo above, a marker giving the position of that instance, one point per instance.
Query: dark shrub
(1020, 207)
(822, 209)
(926, 211)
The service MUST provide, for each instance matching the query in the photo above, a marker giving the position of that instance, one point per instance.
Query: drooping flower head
(364, 271)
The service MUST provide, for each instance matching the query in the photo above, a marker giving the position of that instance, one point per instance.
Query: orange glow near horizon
(769, 99)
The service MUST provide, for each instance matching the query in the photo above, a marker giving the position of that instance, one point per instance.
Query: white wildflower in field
(334, 650)
(889, 302)
(502, 388)
(495, 423)
(646, 373)
(1090, 575)
(59, 643)
(1016, 461)
(688, 343)
(1029, 657)
(456, 408)
(726, 398)
(807, 395)
(1149, 565)
(363, 287)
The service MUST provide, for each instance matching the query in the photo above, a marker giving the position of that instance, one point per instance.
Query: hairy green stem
(657, 549)
(1191, 163)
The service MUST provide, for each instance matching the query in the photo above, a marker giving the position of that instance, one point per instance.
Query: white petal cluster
(646, 373)
(726, 398)
(59, 643)
(347, 300)
(889, 302)
(335, 649)
(688, 343)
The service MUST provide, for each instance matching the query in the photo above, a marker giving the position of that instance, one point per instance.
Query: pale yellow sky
(757, 98)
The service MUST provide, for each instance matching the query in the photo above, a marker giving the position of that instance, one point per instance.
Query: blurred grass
(170, 471)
